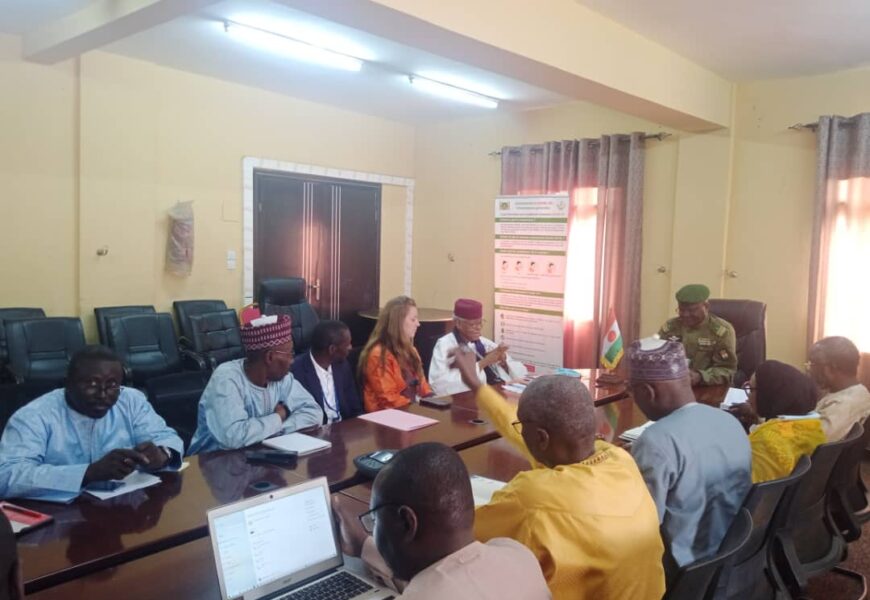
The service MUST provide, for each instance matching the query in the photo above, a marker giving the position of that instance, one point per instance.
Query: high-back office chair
(806, 541)
(147, 346)
(847, 491)
(175, 397)
(104, 313)
(748, 575)
(10, 314)
(286, 296)
(697, 581)
(749, 319)
(216, 337)
(40, 349)
(184, 309)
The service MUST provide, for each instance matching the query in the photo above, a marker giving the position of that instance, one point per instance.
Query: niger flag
(611, 345)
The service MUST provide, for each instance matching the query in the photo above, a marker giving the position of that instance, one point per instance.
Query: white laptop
(283, 545)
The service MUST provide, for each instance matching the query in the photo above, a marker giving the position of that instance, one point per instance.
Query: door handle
(316, 287)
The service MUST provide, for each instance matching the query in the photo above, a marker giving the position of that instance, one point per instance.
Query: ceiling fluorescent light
(446, 90)
(291, 48)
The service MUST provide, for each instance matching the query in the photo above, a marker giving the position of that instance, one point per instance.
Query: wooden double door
(326, 231)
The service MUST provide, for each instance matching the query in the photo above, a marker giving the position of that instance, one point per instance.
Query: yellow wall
(457, 182)
(37, 183)
(773, 188)
(393, 201)
(149, 137)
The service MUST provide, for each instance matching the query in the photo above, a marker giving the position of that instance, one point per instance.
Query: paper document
(398, 419)
(136, 480)
(734, 396)
(483, 488)
(299, 443)
(631, 435)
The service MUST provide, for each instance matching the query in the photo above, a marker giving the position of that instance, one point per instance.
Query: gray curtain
(841, 232)
(604, 179)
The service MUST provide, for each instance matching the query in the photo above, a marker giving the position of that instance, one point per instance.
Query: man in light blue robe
(695, 459)
(91, 431)
(251, 399)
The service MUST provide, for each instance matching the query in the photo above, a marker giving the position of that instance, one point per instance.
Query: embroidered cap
(266, 332)
(653, 359)
(466, 308)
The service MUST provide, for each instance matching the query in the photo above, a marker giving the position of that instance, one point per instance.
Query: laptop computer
(283, 545)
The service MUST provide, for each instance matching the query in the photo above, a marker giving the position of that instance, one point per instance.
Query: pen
(22, 511)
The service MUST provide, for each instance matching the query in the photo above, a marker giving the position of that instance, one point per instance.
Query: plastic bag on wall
(179, 244)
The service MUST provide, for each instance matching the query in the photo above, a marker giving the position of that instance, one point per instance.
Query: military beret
(693, 293)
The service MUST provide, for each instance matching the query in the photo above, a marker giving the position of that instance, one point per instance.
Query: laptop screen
(260, 544)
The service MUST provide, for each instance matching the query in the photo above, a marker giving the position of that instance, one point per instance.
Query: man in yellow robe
(584, 510)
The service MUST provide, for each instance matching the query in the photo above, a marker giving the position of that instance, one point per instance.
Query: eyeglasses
(748, 388)
(93, 386)
(289, 353)
(808, 366)
(518, 426)
(369, 518)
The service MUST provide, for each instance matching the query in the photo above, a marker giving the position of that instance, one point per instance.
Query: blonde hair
(390, 336)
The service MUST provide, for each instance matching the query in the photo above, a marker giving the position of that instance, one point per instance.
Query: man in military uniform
(709, 340)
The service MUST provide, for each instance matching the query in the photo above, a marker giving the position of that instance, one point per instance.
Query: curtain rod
(649, 136)
(799, 126)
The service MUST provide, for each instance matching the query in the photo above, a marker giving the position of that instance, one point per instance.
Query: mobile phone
(110, 485)
(437, 401)
(272, 456)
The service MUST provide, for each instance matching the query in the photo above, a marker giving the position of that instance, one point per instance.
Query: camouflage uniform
(711, 347)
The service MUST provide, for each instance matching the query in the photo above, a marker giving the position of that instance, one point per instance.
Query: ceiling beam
(558, 45)
(99, 23)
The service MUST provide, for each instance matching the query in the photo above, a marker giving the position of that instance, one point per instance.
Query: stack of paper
(136, 480)
(299, 443)
(483, 488)
(734, 396)
(631, 435)
(398, 419)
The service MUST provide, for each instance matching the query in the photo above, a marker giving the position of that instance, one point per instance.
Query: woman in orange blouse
(390, 367)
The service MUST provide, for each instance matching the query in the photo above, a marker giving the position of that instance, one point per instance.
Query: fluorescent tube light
(452, 92)
(285, 46)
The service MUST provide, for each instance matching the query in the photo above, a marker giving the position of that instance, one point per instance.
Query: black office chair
(175, 397)
(749, 319)
(184, 309)
(697, 581)
(104, 313)
(216, 337)
(848, 494)
(148, 347)
(748, 575)
(286, 296)
(806, 541)
(40, 349)
(10, 314)
(15, 395)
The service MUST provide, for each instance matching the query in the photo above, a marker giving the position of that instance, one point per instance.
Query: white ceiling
(745, 40)
(198, 44)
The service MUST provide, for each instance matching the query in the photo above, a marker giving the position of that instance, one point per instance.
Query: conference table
(94, 542)
(192, 564)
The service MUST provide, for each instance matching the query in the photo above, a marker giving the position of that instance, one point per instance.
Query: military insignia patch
(723, 354)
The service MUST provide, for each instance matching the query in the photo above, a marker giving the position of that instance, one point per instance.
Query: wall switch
(231, 260)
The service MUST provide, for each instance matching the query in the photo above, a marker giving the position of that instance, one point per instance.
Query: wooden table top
(185, 572)
(94, 537)
(89, 535)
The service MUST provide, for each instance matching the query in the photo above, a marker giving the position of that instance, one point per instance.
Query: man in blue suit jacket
(326, 374)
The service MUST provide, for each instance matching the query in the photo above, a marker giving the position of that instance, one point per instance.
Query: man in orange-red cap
(252, 398)
(494, 365)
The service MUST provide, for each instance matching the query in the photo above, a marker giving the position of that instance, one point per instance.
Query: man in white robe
(494, 365)
(91, 431)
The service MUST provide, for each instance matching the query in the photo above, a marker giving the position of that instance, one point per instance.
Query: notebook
(631, 435)
(299, 443)
(483, 488)
(283, 544)
(398, 419)
(23, 519)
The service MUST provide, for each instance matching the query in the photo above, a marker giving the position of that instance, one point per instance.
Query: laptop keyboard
(341, 586)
